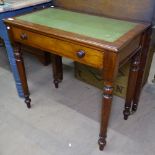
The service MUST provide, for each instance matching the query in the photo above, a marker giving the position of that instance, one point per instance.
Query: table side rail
(129, 50)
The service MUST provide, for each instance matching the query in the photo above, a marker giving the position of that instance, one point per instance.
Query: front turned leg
(57, 69)
(22, 74)
(110, 70)
(106, 109)
(134, 68)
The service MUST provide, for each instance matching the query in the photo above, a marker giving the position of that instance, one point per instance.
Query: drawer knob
(80, 54)
(23, 36)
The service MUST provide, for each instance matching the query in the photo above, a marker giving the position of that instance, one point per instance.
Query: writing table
(100, 42)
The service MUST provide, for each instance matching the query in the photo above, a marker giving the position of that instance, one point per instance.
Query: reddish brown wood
(145, 49)
(57, 69)
(111, 64)
(22, 74)
(93, 57)
(134, 68)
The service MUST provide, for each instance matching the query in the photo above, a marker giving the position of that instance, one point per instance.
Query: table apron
(129, 50)
(91, 57)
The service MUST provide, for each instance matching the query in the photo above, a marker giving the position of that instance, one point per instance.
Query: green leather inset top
(106, 29)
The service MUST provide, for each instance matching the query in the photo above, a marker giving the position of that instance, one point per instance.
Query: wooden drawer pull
(80, 54)
(23, 36)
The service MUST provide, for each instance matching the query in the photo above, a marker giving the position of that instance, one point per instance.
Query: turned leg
(57, 69)
(22, 74)
(145, 48)
(106, 109)
(134, 68)
(109, 74)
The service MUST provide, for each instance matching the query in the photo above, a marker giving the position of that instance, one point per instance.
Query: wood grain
(92, 57)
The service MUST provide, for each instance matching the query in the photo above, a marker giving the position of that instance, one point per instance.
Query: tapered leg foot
(126, 113)
(56, 83)
(57, 70)
(102, 143)
(134, 107)
(28, 102)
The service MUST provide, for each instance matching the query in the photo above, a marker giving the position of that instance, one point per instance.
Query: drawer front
(76, 52)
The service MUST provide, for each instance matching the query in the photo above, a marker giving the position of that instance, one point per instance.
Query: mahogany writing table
(100, 42)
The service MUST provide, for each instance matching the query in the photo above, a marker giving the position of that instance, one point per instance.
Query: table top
(10, 5)
(89, 25)
(97, 31)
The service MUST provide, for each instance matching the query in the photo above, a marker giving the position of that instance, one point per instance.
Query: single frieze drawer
(76, 52)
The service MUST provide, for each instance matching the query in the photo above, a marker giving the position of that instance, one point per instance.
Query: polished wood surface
(92, 56)
(107, 56)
